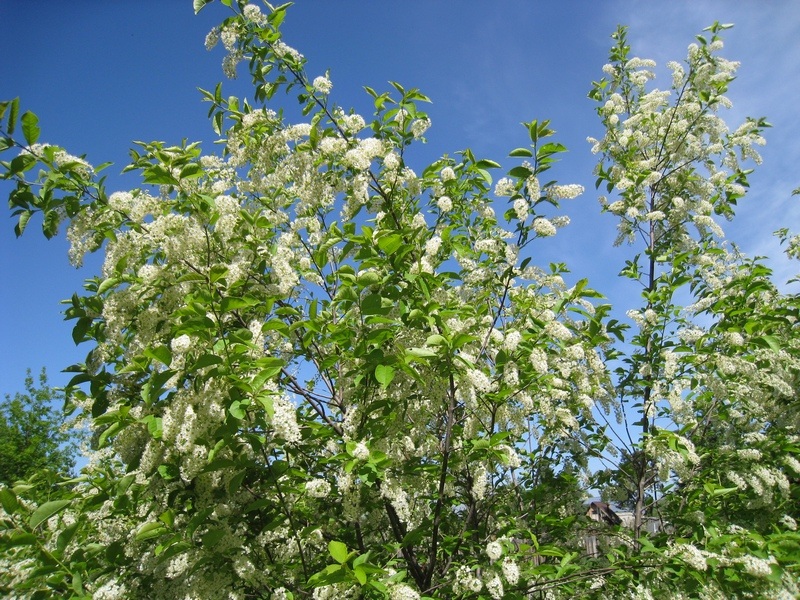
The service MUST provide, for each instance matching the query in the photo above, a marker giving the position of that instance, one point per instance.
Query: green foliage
(33, 433)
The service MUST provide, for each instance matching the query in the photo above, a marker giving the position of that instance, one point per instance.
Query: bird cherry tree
(315, 372)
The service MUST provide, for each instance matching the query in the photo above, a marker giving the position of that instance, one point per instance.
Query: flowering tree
(712, 384)
(317, 373)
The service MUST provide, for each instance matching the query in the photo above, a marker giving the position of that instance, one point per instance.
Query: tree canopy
(316, 370)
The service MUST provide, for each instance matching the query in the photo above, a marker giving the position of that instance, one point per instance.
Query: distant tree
(32, 436)
(618, 484)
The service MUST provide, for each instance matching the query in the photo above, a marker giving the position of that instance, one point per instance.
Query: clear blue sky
(103, 73)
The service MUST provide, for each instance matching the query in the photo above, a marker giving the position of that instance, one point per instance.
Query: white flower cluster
(512, 340)
(61, 158)
(401, 591)
(285, 51)
(521, 209)
(494, 550)
(397, 496)
(419, 127)
(212, 38)
(351, 123)
(284, 420)
(361, 451)
(318, 488)
(558, 330)
(252, 12)
(337, 591)
(361, 156)
(755, 566)
(534, 189)
(479, 381)
(448, 174)
(480, 482)
(510, 571)
(466, 581)
(691, 555)
(564, 192)
(322, 85)
(788, 522)
(505, 187)
(495, 587)
(181, 344)
(543, 227)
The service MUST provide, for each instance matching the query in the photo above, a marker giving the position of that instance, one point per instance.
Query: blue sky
(101, 74)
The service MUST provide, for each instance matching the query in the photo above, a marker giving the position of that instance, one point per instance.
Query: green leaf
(390, 243)
(520, 172)
(384, 374)
(360, 575)
(266, 403)
(47, 510)
(65, 537)
(168, 472)
(150, 530)
(191, 171)
(155, 426)
(436, 340)
(107, 285)
(8, 501)
(521, 153)
(160, 353)
(77, 583)
(229, 304)
(329, 575)
(487, 164)
(110, 430)
(237, 410)
(24, 217)
(769, 341)
(30, 127)
(19, 538)
(200, 5)
(420, 352)
(236, 482)
(21, 163)
(338, 551)
(12, 116)
(206, 360)
(373, 305)
(158, 174)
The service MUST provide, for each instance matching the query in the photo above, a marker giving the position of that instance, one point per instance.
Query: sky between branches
(101, 74)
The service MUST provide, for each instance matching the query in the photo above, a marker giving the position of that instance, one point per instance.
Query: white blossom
(494, 550)
(445, 204)
(322, 85)
(505, 187)
(318, 488)
(419, 127)
(510, 571)
(543, 227)
(447, 174)
(361, 452)
(495, 587)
